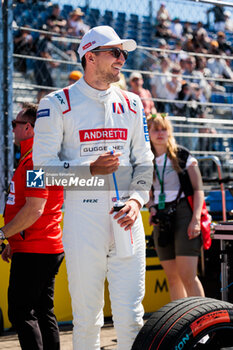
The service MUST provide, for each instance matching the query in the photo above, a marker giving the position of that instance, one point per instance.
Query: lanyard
(161, 181)
(24, 156)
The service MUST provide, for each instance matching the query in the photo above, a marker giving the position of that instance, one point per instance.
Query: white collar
(99, 95)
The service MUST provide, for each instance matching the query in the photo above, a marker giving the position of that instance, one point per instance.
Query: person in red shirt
(136, 83)
(32, 227)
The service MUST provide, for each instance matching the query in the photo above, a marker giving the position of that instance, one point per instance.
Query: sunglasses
(116, 52)
(135, 79)
(15, 122)
(163, 115)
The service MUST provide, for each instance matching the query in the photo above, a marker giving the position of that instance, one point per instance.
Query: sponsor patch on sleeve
(10, 199)
(43, 113)
(145, 127)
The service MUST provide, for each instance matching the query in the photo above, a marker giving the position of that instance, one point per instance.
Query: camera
(165, 218)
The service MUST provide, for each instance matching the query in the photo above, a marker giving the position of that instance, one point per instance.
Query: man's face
(56, 11)
(190, 64)
(202, 63)
(164, 65)
(221, 38)
(20, 130)
(197, 91)
(136, 83)
(186, 90)
(107, 67)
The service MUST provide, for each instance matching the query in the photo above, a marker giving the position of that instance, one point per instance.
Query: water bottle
(123, 239)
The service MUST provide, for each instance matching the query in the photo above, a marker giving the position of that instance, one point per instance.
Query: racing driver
(74, 128)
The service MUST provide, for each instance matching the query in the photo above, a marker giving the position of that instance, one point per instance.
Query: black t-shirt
(185, 183)
(57, 20)
(218, 14)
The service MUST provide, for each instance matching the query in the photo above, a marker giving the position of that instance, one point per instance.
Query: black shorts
(181, 245)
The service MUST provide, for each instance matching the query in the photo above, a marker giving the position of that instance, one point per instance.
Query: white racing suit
(74, 126)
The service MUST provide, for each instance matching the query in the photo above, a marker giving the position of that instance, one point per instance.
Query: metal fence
(190, 132)
(6, 68)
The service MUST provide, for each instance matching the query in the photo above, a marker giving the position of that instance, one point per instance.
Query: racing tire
(189, 323)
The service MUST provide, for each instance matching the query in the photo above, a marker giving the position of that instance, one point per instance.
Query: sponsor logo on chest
(117, 108)
(103, 134)
(89, 149)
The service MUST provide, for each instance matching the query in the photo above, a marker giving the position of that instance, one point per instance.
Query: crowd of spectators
(179, 75)
(136, 86)
(30, 43)
(185, 77)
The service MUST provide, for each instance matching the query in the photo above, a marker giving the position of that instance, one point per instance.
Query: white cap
(135, 75)
(227, 14)
(183, 56)
(103, 36)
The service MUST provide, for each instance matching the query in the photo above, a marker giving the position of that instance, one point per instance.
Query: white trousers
(90, 258)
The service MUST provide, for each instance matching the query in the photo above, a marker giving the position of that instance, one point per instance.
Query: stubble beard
(107, 77)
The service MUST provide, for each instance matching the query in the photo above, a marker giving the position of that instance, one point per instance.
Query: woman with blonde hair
(176, 231)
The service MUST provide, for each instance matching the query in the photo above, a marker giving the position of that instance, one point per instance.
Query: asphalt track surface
(9, 341)
(108, 339)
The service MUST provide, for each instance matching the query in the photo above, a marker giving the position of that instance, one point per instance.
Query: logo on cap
(88, 45)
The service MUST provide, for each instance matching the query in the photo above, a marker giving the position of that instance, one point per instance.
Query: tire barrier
(189, 323)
